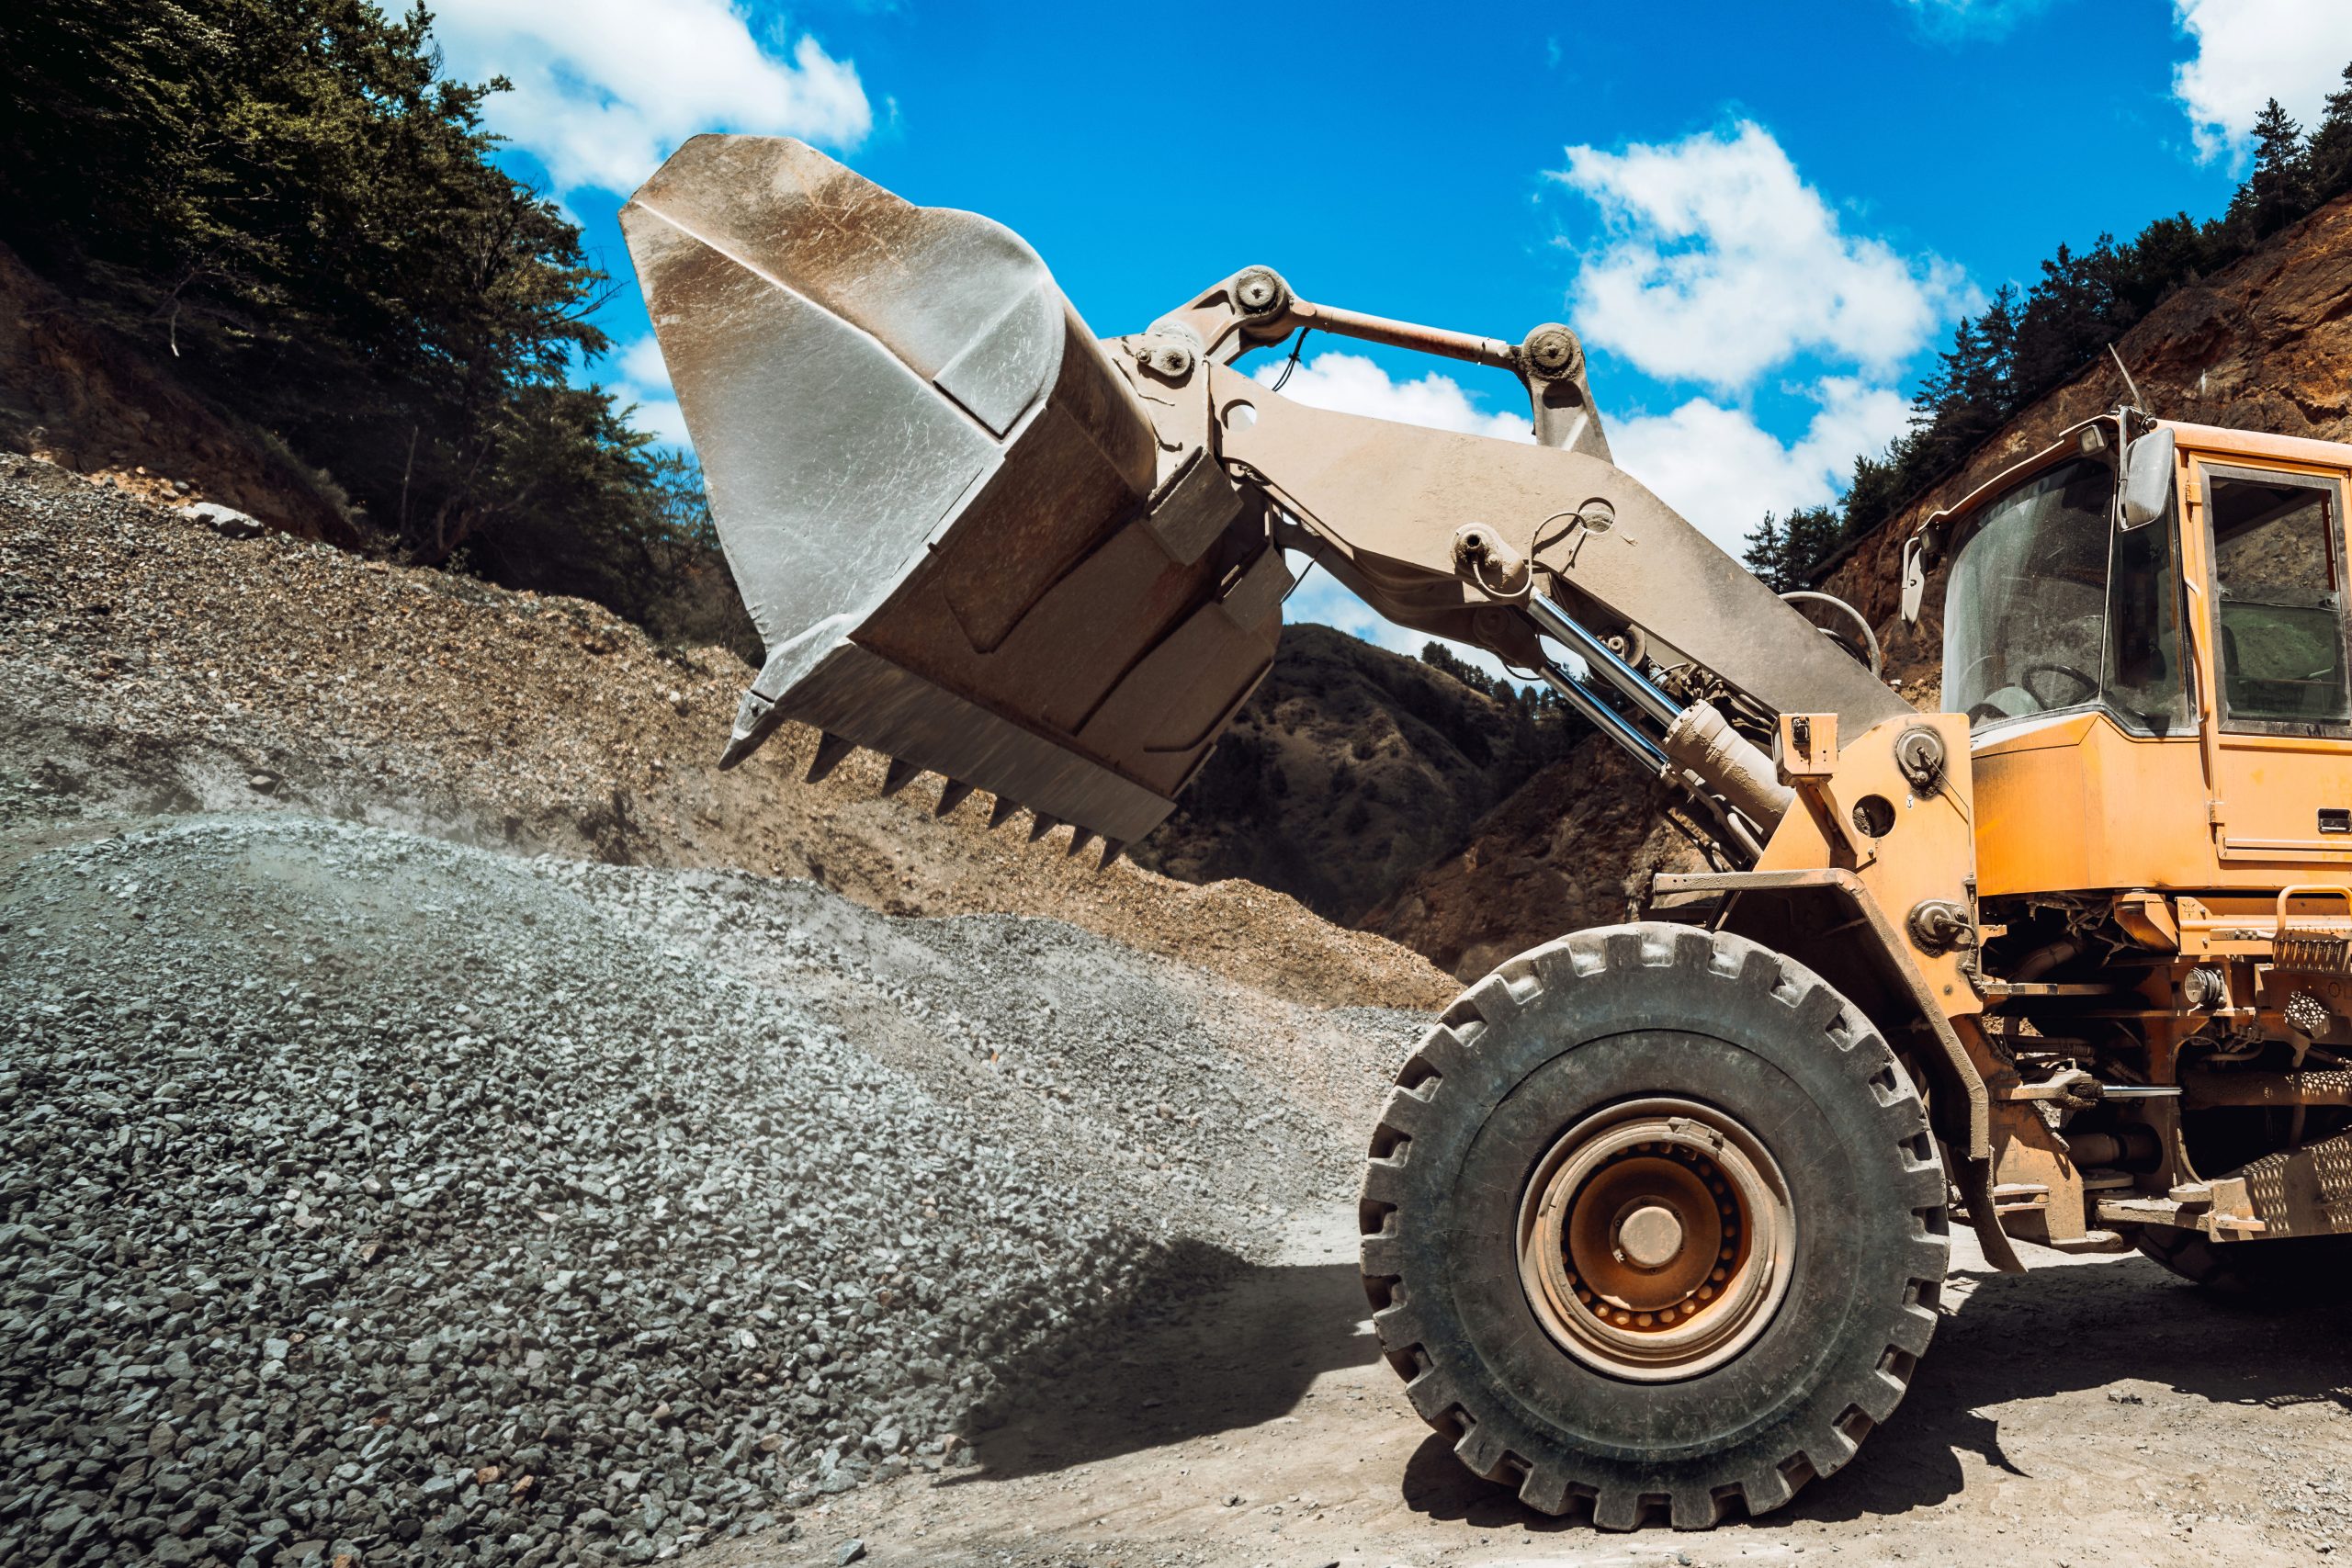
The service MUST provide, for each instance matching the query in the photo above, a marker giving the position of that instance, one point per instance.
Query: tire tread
(1557, 1483)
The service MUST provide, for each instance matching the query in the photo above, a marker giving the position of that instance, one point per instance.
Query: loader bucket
(949, 512)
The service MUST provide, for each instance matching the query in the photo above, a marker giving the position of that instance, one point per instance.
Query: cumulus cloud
(2251, 51)
(1720, 262)
(605, 89)
(1721, 470)
(1349, 383)
(640, 377)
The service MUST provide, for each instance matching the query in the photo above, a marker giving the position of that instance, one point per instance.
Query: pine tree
(2279, 191)
(2330, 156)
(1767, 553)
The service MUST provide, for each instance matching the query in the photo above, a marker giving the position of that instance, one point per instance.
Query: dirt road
(2091, 1411)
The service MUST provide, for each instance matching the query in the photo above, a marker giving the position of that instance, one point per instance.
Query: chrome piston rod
(1644, 693)
(1604, 718)
(1697, 740)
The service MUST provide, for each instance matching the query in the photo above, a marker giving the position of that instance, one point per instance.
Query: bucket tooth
(1079, 839)
(1111, 848)
(898, 775)
(1042, 825)
(1002, 812)
(951, 796)
(831, 750)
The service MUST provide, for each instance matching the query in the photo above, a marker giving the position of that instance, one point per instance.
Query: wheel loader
(1657, 1218)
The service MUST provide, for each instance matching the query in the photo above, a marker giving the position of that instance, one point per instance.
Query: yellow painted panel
(2081, 804)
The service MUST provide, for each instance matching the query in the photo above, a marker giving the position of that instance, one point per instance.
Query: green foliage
(286, 201)
(1543, 729)
(2019, 349)
(1782, 551)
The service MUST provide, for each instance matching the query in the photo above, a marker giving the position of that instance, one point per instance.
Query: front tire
(1653, 1218)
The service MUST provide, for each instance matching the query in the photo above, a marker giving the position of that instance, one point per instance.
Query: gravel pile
(148, 664)
(368, 1196)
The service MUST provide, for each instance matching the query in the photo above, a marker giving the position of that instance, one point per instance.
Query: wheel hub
(1655, 1239)
(1650, 1237)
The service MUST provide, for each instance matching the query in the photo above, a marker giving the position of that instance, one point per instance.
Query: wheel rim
(1655, 1239)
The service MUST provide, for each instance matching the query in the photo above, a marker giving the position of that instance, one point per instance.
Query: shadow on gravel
(1210, 1344)
(2040, 1335)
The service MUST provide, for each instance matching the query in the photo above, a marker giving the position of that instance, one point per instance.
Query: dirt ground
(2091, 1411)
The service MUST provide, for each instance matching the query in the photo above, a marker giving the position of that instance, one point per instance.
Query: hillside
(148, 664)
(78, 394)
(1575, 846)
(1347, 772)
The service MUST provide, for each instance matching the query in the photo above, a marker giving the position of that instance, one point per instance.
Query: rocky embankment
(1348, 771)
(78, 394)
(1575, 846)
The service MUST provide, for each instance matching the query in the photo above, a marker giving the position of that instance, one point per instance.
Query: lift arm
(978, 538)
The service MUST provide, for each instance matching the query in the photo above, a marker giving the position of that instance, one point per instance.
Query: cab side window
(2279, 601)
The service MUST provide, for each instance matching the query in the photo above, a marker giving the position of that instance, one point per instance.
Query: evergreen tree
(2330, 157)
(2279, 191)
(1767, 552)
(1785, 552)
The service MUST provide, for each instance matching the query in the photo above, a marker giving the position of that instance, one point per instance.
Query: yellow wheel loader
(1656, 1219)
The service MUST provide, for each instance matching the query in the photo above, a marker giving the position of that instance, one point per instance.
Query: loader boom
(976, 538)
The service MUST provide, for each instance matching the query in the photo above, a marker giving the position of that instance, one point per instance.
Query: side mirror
(1914, 578)
(2147, 479)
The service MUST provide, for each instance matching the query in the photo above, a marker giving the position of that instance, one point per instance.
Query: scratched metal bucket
(945, 503)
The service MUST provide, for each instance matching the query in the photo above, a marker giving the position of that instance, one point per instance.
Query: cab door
(2279, 724)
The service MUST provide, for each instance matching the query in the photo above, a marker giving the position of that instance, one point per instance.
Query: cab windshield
(2048, 607)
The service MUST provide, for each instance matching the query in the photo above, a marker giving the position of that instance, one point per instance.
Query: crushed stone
(372, 1196)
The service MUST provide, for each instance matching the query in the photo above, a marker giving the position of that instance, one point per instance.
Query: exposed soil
(1575, 846)
(2090, 1412)
(1348, 770)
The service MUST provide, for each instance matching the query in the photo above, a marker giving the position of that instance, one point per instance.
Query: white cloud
(641, 364)
(1721, 263)
(641, 378)
(1721, 470)
(605, 89)
(1350, 383)
(2251, 51)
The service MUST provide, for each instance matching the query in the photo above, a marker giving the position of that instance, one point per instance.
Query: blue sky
(1762, 218)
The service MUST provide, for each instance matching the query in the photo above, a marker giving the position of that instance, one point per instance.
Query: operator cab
(2059, 602)
(2145, 613)
(2051, 607)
